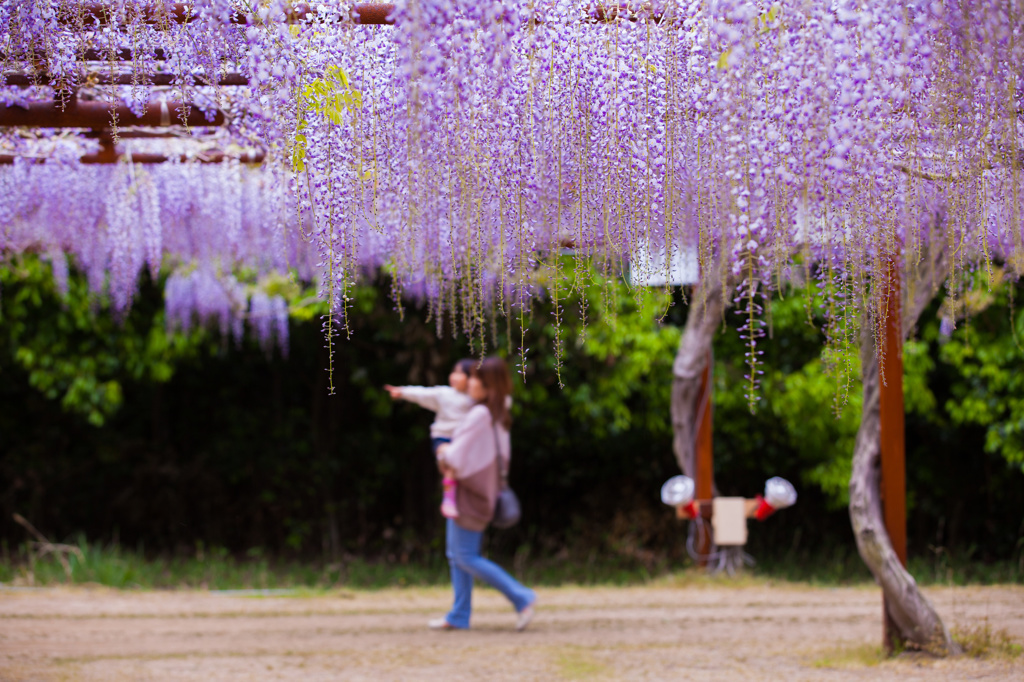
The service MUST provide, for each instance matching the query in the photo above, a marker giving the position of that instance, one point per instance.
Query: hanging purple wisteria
(206, 223)
(468, 143)
(474, 139)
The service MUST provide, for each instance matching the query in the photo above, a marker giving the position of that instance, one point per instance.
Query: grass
(217, 569)
(980, 640)
(856, 656)
(841, 565)
(832, 566)
(214, 569)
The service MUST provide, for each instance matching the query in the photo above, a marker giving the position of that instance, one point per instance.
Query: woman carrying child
(479, 453)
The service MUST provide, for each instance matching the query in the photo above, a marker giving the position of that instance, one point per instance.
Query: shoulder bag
(506, 506)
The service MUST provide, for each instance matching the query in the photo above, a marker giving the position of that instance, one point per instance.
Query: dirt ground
(669, 631)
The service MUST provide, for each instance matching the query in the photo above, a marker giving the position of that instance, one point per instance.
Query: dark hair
(465, 365)
(493, 374)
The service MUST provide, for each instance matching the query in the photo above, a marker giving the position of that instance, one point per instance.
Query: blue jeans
(463, 549)
(435, 443)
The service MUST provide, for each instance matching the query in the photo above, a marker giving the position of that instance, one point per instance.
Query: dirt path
(654, 633)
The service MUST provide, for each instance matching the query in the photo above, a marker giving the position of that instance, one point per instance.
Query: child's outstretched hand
(394, 391)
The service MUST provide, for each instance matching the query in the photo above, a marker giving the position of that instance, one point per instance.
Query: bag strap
(502, 470)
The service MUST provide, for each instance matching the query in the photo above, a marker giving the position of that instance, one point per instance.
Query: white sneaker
(525, 616)
(440, 624)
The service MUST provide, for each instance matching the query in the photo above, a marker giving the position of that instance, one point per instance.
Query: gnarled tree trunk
(706, 307)
(909, 610)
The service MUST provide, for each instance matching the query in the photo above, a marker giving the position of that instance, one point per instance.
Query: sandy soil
(694, 632)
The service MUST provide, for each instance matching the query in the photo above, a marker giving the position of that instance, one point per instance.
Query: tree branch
(45, 547)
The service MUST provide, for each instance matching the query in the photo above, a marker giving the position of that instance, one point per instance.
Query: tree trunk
(909, 610)
(706, 307)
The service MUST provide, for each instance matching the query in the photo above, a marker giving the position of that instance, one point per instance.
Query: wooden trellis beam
(82, 114)
(366, 14)
(183, 13)
(21, 79)
(363, 14)
(214, 156)
(110, 153)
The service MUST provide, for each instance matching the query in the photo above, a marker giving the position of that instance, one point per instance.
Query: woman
(479, 453)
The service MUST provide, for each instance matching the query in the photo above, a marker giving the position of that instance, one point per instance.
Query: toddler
(451, 403)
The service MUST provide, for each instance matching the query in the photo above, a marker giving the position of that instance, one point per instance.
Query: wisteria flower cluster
(204, 222)
(471, 140)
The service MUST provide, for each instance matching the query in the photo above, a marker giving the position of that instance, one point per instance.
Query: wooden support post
(893, 455)
(705, 463)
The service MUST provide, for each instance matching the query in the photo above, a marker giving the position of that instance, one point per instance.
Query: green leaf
(723, 60)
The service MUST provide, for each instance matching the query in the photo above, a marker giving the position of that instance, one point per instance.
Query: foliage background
(114, 431)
